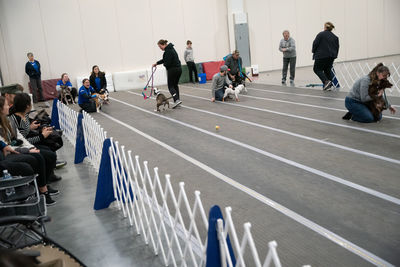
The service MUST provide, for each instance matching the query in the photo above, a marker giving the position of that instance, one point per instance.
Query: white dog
(236, 91)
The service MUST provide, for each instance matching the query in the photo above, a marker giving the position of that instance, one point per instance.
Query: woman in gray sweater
(360, 94)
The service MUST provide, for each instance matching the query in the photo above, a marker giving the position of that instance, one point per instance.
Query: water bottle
(9, 191)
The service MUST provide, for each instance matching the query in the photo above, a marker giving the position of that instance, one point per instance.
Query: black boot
(347, 116)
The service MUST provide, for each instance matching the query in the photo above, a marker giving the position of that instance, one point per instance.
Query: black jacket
(103, 82)
(325, 45)
(30, 70)
(170, 58)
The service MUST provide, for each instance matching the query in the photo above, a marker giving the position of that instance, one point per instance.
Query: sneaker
(328, 84)
(60, 164)
(291, 83)
(54, 178)
(52, 191)
(283, 82)
(49, 200)
(347, 116)
(176, 103)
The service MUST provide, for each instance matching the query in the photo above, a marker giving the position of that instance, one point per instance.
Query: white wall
(366, 28)
(118, 35)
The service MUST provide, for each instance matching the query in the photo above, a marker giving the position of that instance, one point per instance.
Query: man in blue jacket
(32, 68)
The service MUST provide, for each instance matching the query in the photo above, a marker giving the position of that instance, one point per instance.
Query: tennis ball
(216, 127)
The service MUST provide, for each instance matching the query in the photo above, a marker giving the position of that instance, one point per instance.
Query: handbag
(53, 141)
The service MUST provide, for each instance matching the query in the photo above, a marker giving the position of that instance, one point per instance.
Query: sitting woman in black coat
(98, 80)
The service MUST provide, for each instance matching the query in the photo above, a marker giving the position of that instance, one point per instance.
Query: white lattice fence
(174, 227)
(348, 73)
(68, 119)
(166, 222)
(239, 248)
(94, 138)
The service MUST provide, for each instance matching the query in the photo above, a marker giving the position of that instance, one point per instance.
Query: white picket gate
(172, 225)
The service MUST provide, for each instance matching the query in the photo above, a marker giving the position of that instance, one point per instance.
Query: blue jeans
(219, 94)
(359, 110)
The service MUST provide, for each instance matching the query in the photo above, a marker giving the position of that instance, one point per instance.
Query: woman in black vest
(173, 65)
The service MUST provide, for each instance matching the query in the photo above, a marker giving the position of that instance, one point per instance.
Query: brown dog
(161, 100)
(66, 96)
(378, 103)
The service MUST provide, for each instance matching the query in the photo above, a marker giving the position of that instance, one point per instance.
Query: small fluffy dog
(66, 96)
(234, 91)
(102, 98)
(161, 100)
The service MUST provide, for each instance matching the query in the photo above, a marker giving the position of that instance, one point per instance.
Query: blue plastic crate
(202, 78)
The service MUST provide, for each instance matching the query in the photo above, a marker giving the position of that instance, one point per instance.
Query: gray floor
(259, 158)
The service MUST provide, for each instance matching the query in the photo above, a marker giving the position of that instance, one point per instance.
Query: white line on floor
(368, 256)
(296, 94)
(306, 95)
(290, 102)
(364, 153)
(273, 156)
(300, 117)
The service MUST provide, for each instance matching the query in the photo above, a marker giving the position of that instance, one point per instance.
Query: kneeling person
(219, 81)
(87, 97)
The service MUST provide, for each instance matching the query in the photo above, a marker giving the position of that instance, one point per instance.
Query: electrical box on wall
(242, 41)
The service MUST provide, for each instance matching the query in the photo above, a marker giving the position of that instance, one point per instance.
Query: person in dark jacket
(325, 49)
(234, 63)
(32, 68)
(87, 96)
(98, 80)
(173, 65)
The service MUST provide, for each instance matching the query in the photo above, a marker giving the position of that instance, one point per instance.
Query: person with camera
(17, 153)
(41, 139)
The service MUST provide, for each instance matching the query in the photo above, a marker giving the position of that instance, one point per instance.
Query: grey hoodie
(188, 56)
(359, 91)
(290, 44)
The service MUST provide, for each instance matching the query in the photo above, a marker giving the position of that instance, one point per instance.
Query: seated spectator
(219, 81)
(16, 150)
(13, 167)
(20, 121)
(98, 80)
(234, 64)
(65, 84)
(363, 96)
(9, 92)
(87, 97)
